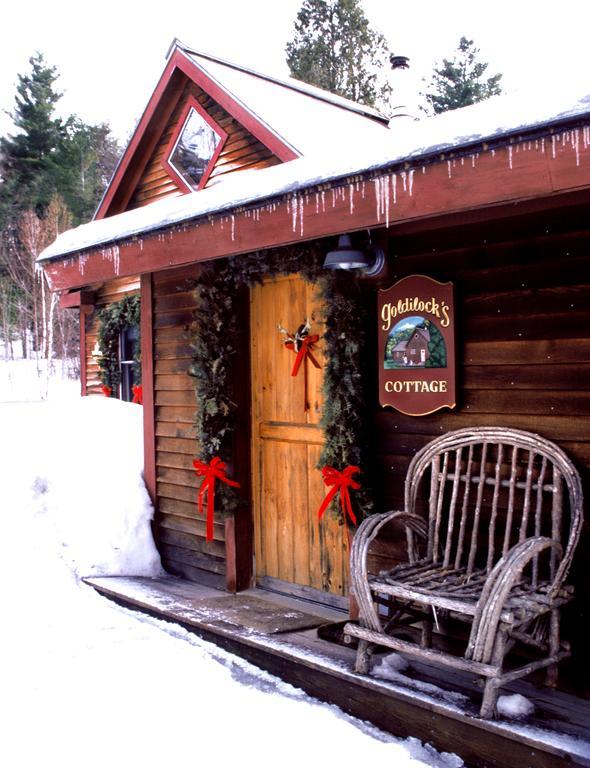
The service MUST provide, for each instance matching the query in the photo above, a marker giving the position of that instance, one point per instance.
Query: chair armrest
(505, 574)
(365, 534)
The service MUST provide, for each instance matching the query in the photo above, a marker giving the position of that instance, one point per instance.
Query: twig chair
(501, 516)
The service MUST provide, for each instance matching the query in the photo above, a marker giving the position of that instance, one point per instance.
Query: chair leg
(491, 689)
(426, 634)
(554, 639)
(490, 698)
(363, 660)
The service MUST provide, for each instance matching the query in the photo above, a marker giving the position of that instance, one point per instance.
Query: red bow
(340, 481)
(138, 394)
(303, 352)
(106, 390)
(210, 472)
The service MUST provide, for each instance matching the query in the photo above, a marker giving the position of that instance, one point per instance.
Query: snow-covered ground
(86, 683)
(31, 379)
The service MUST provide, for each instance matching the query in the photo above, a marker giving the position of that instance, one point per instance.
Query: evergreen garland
(215, 345)
(111, 321)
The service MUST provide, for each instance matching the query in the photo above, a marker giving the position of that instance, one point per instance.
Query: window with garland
(119, 342)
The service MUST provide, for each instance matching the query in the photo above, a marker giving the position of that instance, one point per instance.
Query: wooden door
(290, 544)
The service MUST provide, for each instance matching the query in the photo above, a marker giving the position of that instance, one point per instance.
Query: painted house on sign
(414, 351)
(233, 190)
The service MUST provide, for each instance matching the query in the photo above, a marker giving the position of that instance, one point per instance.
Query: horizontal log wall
(241, 151)
(523, 322)
(105, 294)
(179, 531)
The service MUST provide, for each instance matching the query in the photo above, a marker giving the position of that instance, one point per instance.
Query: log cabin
(228, 163)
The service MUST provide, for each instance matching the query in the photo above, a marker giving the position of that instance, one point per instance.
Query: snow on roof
(303, 116)
(406, 140)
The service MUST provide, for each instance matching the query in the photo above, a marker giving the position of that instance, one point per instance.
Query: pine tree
(335, 48)
(460, 82)
(46, 160)
(26, 159)
(84, 164)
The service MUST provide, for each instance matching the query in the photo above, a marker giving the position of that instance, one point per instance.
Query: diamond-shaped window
(194, 149)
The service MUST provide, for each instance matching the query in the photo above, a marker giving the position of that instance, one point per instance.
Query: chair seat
(456, 590)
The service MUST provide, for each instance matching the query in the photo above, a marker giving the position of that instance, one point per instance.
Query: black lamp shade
(345, 256)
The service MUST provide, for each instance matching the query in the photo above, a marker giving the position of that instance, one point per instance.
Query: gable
(240, 150)
(140, 177)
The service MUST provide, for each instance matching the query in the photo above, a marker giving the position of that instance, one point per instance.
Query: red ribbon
(209, 473)
(340, 482)
(106, 390)
(138, 394)
(303, 352)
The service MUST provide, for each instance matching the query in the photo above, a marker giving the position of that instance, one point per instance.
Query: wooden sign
(416, 346)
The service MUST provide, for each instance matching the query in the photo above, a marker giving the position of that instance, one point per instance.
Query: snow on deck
(175, 600)
(405, 141)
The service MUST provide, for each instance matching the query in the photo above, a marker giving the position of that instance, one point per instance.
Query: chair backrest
(487, 489)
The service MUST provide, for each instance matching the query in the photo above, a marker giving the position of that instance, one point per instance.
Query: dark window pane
(196, 145)
(129, 339)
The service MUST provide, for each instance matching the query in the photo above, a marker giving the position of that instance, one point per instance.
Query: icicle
(553, 139)
(385, 186)
(323, 201)
(301, 204)
(394, 187)
(317, 203)
(543, 145)
(576, 135)
(294, 207)
(462, 161)
(377, 198)
(363, 190)
(449, 171)
(423, 170)
(473, 161)
(233, 228)
(411, 181)
(140, 244)
(403, 175)
(351, 197)
(510, 156)
(333, 197)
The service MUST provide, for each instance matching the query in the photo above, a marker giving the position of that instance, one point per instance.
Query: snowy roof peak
(286, 82)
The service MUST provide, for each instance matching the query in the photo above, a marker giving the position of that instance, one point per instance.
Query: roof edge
(292, 83)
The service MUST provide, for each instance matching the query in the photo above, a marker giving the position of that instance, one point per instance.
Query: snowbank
(75, 468)
(91, 684)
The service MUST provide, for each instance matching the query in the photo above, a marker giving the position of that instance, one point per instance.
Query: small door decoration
(301, 343)
(214, 470)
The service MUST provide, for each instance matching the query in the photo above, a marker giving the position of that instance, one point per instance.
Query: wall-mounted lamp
(347, 257)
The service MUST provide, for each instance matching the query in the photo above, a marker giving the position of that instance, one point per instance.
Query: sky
(111, 54)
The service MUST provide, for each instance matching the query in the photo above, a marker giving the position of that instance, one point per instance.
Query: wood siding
(105, 294)
(241, 150)
(523, 317)
(179, 531)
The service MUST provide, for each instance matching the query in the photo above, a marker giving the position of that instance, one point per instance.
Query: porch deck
(279, 634)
